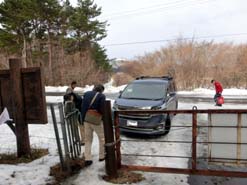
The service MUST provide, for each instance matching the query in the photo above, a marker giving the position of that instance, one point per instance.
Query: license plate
(131, 123)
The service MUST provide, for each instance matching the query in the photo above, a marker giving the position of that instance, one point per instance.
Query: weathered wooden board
(33, 94)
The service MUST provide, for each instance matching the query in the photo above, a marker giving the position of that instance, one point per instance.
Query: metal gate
(193, 159)
(67, 132)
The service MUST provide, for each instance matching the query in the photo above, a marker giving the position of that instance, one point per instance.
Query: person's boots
(88, 163)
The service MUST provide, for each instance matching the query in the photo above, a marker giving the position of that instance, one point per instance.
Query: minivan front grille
(121, 107)
(143, 116)
(139, 129)
(135, 116)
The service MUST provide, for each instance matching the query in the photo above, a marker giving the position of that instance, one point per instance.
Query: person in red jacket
(218, 90)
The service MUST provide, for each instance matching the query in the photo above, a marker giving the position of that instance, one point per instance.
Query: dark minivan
(147, 93)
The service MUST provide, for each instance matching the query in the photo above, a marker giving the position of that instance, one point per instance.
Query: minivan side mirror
(172, 94)
(120, 93)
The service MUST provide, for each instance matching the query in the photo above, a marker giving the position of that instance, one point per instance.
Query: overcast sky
(145, 20)
(151, 20)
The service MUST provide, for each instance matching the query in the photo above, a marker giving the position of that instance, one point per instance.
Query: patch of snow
(56, 89)
(109, 88)
(54, 99)
(35, 172)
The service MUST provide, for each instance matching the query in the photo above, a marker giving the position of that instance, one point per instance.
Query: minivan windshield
(144, 91)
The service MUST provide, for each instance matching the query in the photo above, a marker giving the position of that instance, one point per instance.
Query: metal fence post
(111, 165)
(210, 136)
(194, 140)
(65, 142)
(70, 140)
(76, 137)
(57, 138)
(239, 127)
(117, 138)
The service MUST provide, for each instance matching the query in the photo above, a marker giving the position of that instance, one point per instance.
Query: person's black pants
(216, 96)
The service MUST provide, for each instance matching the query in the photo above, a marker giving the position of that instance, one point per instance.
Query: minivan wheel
(168, 125)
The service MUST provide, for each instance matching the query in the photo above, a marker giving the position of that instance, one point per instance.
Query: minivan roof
(152, 80)
(154, 77)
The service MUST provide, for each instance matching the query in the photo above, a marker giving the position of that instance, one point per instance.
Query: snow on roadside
(226, 92)
(54, 99)
(109, 88)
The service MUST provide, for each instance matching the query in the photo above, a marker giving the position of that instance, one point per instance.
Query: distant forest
(192, 64)
(64, 39)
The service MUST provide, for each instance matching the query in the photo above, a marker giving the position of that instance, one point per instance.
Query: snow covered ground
(42, 136)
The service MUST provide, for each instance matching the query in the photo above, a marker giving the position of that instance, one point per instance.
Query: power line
(174, 39)
(147, 10)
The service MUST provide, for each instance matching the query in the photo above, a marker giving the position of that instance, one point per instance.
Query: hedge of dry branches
(67, 68)
(192, 64)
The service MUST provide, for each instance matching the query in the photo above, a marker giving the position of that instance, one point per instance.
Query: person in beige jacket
(95, 100)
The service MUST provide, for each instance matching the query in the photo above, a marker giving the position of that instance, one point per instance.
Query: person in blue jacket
(98, 104)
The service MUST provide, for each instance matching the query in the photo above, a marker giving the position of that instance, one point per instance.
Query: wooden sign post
(22, 92)
(21, 127)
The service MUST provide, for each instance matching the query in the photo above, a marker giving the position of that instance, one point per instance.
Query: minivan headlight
(159, 107)
(161, 126)
(146, 108)
(156, 108)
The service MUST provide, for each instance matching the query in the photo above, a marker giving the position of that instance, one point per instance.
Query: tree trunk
(24, 52)
(61, 70)
(50, 58)
(30, 54)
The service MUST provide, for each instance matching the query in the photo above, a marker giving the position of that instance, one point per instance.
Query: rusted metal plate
(33, 94)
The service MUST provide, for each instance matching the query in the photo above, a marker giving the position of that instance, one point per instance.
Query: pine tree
(15, 19)
(30, 28)
(100, 57)
(49, 15)
(87, 30)
(83, 23)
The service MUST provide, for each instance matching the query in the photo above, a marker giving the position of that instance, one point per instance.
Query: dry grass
(11, 158)
(125, 177)
(193, 64)
(65, 68)
(60, 176)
